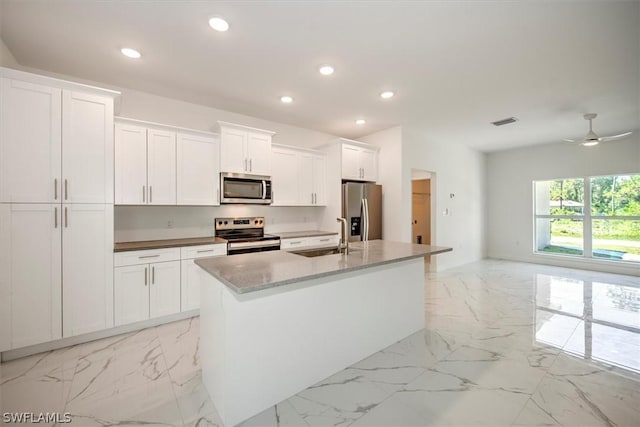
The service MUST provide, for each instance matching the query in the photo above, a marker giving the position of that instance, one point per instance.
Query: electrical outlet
(169, 224)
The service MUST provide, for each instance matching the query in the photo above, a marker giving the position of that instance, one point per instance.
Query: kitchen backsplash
(133, 223)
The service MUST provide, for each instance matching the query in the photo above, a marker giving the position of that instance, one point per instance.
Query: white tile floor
(506, 344)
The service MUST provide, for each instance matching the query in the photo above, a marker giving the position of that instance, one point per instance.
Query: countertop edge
(168, 243)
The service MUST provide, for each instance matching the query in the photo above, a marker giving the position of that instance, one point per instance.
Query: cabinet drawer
(121, 259)
(202, 251)
(309, 242)
(293, 244)
(322, 241)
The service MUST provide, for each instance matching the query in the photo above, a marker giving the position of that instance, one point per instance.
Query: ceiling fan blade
(568, 140)
(613, 137)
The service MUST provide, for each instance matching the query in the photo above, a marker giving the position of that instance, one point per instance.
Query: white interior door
(87, 267)
(164, 292)
(161, 167)
(259, 153)
(30, 274)
(198, 170)
(30, 142)
(87, 148)
(130, 165)
(284, 179)
(131, 294)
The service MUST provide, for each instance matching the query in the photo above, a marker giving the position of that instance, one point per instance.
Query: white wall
(510, 200)
(390, 176)
(6, 57)
(457, 170)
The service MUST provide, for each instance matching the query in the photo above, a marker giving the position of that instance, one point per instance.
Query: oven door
(241, 188)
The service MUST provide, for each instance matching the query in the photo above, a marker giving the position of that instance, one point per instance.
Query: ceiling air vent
(505, 121)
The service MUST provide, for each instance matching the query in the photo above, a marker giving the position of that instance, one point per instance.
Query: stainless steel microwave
(243, 188)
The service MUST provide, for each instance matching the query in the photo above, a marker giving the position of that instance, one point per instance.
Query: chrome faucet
(344, 240)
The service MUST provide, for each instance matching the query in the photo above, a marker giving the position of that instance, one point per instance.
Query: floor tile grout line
(171, 381)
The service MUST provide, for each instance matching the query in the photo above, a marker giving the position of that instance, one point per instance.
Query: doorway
(421, 218)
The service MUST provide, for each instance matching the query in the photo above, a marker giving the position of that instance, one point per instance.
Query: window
(604, 224)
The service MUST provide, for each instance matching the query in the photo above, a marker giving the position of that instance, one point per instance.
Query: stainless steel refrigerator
(362, 207)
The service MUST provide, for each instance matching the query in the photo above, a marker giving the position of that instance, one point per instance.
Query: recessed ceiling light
(286, 99)
(361, 121)
(326, 70)
(386, 94)
(218, 24)
(130, 53)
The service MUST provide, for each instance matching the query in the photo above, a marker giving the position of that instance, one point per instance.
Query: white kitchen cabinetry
(298, 243)
(299, 177)
(244, 149)
(55, 145)
(30, 274)
(198, 170)
(192, 275)
(146, 284)
(359, 163)
(87, 268)
(145, 165)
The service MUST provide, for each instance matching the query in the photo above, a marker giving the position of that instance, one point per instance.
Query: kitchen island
(274, 323)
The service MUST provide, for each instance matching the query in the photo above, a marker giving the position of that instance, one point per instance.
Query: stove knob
(225, 223)
(219, 222)
(255, 221)
(260, 221)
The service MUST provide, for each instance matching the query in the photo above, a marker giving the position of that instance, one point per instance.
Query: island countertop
(262, 270)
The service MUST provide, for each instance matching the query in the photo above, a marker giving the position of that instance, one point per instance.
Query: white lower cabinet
(131, 294)
(164, 288)
(193, 275)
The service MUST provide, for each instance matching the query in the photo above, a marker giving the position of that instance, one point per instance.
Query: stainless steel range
(246, 235)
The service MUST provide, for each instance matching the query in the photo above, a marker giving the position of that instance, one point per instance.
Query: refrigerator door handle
(365, 221)
(366, 204)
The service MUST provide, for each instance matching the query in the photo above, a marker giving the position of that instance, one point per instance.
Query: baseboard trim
(626, 268)
(80, 339)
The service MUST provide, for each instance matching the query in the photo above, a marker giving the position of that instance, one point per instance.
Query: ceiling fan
(591, 138)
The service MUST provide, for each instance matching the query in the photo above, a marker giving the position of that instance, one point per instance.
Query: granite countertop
(169, 243)
(308, 233)
(262, 270)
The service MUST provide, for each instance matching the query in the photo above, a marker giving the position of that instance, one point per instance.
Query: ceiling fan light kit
(591, 138)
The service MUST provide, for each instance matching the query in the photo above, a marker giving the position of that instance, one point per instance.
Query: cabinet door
(259, 153)
(87, 148)
(198, 170)
(192, 277)
(369, 164)
(131, 294)
(284, 179)
(87, 268)
(30, 276)
(233, 156)
(307, 196)
(164, 291)
(30, 142)
(131, 165)
(161, 167)
(350, 162)
(320, 180)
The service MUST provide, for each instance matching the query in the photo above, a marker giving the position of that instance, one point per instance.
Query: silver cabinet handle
(55, 217)
(66, 218)
(311, 198)
(153, 275)
(203, 251)
(245, 164)
(150, 193)
(66, 190)
(250, 165)
(295, 243)
(148, 256)
(144, 191)
(55, 189)
(145, 276)
(325, 240)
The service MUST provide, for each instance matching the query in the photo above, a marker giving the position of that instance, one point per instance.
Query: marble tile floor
(505, 344)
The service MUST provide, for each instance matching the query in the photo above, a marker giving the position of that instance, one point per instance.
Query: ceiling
(455, 66)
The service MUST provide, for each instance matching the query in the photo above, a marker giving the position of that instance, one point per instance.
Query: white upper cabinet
(30, 274)
(87, 148)
(299, 177)
(161, 167)
(30, 142)
(87, 268)
(198, 170)
(359, 163)
(245, 150)
(130, 164)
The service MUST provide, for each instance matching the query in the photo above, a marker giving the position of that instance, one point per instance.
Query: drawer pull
(145, 276)
(148, 256)
(295, 243)
(325, 240)
(207, 250)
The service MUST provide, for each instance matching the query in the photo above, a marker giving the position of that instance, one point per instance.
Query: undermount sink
(310, 253)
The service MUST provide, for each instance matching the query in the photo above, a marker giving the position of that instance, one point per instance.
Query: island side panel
(284, 342)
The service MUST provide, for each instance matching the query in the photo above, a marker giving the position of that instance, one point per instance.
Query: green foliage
(616, 195)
